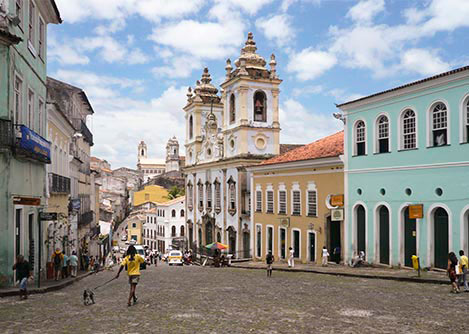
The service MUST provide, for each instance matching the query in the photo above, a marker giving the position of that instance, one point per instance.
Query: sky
(135, 59)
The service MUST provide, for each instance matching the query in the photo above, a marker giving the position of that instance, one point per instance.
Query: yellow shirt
(464, 261)
(133, 267)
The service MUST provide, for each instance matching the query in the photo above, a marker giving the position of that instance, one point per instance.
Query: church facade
(225, 133)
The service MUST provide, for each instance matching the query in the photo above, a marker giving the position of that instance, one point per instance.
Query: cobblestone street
(208, 300)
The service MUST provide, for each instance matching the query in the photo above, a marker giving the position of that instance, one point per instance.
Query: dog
(88, 297)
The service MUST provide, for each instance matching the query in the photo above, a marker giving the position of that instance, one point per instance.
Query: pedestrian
(97, 262)
(464, 263)
(291, 255)
(269, 259)
(73, 260)
(132, 261)
(23, 273)
(65, 267)
(325, 254)
(57, 260)
(91, 263)
(452, 263)
(337, 254)
(86, 259)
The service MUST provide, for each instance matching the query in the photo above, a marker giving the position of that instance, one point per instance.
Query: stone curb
(54, 287)
(389, 278)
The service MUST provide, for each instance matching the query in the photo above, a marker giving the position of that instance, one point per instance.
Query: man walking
(269, 259)
(23, 272)
(463, 262)
(291, 255)
(57, 260)
(74, 264)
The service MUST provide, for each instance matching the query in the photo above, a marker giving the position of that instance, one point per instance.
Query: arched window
(260, 107)
(360, 138)
(182, 231)
(466, 121)
(182, 212)
(173, 213)
(173, 231)
(143, 152)
(383, 134)
(439, 121)
(232, 109)
(191, 127)
(408, 130)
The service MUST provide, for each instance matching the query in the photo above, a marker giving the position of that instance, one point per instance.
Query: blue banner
(34, 143)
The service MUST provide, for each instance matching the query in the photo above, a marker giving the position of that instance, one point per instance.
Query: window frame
(378, 133)
(355, 139)
(42, 39)
(217, 203)
(402, 134)
(280, 202)
(312, 189)
(464, 134)
(232, 108)
(191, 127)
(18, 102)
(269, 204)
(32, 9)
(208, 196)
(200, 195)
(258, 200)
(30, 109)
(19, 8)
(430, 123)
(41, 113)
(293, 202)
(232, 197)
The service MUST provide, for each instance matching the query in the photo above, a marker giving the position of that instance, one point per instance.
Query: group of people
(457, 271)
(152, 257)
(64, 265)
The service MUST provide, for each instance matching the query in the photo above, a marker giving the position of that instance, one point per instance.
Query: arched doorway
(383, 214)
(410, 238)
(361, 228)
(440, 238)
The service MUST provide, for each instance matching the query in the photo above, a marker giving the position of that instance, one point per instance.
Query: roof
(330, 146)
(284, 148)
(457, 70)
(56, 10)
(58, 90)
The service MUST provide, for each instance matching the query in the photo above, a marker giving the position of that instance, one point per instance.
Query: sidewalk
(46, 285)
(403, 275)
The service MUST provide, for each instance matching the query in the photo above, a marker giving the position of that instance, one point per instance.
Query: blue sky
(136, 58)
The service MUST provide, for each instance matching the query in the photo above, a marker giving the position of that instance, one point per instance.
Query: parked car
(175, 257)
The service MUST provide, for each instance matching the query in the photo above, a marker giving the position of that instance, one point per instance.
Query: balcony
(79, 125)
(85, 218)
(30, 146)
(6, 134)
(59, 184)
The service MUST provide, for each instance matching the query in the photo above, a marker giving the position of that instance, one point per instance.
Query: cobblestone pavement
(230, 301)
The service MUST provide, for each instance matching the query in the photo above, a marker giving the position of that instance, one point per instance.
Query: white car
(175, 257)
(141, 252)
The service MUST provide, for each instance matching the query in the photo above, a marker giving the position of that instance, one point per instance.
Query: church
(226, 133)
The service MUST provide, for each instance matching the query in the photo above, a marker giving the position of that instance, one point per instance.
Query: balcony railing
(79, 125)
(6, 134)
(85, 218)
(59, 184)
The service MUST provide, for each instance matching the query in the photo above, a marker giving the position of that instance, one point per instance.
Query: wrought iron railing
(59, 184)
(6, 134)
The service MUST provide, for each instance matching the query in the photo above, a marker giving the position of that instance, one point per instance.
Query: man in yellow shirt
(133, 261)
(464, 263)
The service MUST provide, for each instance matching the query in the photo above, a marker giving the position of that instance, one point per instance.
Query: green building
(24, 151)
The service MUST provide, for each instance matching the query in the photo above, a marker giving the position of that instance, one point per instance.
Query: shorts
(269, 266)
(24, 283)
(133, 279)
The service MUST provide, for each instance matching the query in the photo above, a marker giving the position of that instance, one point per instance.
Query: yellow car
(175, 257)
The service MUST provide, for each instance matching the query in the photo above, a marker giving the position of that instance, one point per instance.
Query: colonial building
(224, 135)
(292, 201)
(24, 149)
(406, 171)
(155, 194)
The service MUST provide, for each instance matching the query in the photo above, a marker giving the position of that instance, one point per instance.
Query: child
(132, 261)
(269, 259)
(23, 272)
(325, 254)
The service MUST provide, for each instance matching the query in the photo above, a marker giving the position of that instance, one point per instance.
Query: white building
(224, 135)
(164, 226)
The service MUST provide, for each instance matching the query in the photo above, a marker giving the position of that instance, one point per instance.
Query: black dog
(88, 297)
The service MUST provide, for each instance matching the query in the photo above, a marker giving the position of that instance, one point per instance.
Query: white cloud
(136, 56)
(364, 11)
(65, 54)
(249, 6)
(178, 67)
(309, 63)
(294, 116)
(423, 62)
(277, 28)
(307, 90)
(287, 3)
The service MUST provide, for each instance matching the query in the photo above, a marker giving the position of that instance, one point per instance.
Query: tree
(175, 192)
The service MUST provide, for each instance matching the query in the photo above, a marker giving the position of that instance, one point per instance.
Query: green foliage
(175, 192)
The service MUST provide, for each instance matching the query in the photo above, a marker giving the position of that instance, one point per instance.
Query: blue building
(405, 148)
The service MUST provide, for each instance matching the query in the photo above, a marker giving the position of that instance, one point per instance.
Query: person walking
(452, 263)
(23, 273)
(65, 267)
(325, 255)
(73, 260)
(269, 259)
(57, 260)
(464, 263)
(132, 261)
(291, 255)
(91, 263)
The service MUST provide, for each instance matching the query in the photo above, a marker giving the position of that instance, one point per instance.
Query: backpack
(57, 259)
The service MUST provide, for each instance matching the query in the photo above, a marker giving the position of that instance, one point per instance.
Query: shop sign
(18, 200)
(337, 200)
(48, 216)
(337, 215)
(32, 142)
(416, 211)
(75, 204)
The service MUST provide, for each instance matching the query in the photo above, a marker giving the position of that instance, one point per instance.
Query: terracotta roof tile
(284, 148)
(330, 146)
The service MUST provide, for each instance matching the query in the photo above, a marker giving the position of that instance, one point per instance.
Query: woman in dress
(452, 263)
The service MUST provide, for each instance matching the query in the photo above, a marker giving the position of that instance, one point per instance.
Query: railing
(6, 134)
(59, 184)
(79, 125)
(85, 218)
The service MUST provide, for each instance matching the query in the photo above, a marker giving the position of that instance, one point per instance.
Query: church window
(201, 195)
(217, 196)
(191, 127)
(182, 212)
(143, 152)
(189, 196)
(173, 231)
(173, 213)
(232, 109)
(208, 190)
(260, 106)
(232, 196)
(439, 125)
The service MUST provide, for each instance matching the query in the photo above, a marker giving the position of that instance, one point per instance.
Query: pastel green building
(24, 151)
(403, 147)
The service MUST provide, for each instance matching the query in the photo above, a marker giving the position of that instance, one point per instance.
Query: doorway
(383, 235)
(18, 215)
(283, 234)
(312, 246)
(246, 245)
(334, 239)
(440, 237)
(296, 244)
(361, 233)
(232, 241)
(410, 238)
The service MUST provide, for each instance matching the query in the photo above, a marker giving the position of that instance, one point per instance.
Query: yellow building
(291, 202)
(150, 194)
(135, 228)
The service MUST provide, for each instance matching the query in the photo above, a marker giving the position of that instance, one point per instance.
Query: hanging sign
(416, 211)
(48, 216)
(26, 201)
(337, 200)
